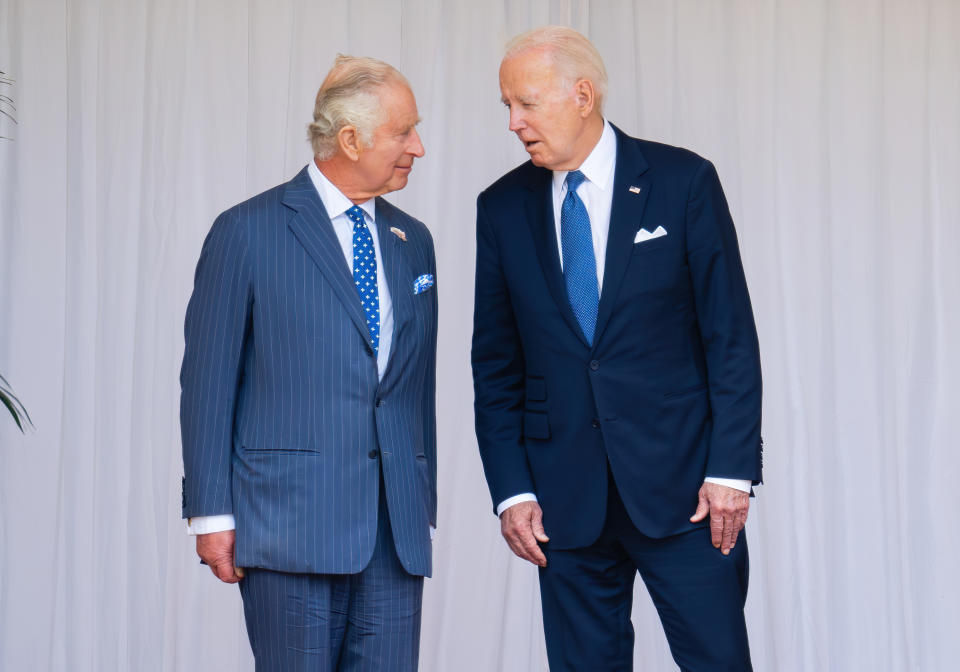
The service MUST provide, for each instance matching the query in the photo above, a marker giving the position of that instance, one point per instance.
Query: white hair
(573, 55)
(349, 97)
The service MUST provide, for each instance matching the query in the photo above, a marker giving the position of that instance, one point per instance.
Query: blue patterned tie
(365, 274)
(579, 263)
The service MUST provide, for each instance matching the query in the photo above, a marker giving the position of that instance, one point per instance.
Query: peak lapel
(540, 217)
(626, 215)
(313, 230)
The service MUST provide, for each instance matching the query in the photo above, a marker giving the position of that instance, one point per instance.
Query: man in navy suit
(616, 371)
(308, 379)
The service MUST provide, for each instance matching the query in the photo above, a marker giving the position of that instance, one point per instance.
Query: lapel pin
(398, 233)
(634, 190)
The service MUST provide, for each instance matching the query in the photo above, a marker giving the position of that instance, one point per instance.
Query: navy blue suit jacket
(284, 422)
(669, 392)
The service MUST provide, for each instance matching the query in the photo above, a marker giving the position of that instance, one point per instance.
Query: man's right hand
(522, 527)
(216, 549)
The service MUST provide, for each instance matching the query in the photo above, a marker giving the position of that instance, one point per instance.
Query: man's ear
(586, 97)
(349, 140)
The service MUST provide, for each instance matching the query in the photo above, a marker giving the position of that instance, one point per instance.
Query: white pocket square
(643, 235)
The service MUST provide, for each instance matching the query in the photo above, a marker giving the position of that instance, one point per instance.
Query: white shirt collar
(334, 202)
(599, 165)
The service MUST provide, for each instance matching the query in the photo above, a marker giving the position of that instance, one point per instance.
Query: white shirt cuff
(210, 524)
(738, 483)
(516, 499)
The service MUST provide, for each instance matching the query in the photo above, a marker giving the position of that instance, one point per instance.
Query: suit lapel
(626, 214)
(396, 269)
(539, 206)
(312, 228)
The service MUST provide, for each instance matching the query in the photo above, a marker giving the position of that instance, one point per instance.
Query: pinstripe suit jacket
(282, 415)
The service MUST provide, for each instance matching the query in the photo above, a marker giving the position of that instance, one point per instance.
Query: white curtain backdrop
(835, 127)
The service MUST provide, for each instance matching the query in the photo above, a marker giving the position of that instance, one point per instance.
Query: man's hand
(728, 513)
(522, 527)
(216, 549)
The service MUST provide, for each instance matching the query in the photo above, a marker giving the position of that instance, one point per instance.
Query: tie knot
(356, 215)
(574, 179)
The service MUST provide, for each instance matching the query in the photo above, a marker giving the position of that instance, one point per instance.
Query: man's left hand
(728, 513)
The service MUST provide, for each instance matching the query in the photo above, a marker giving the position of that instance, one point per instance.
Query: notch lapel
(313, 230)
(540, 216)
(626, 214)
(395, 267)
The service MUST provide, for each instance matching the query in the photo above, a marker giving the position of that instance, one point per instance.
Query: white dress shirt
(596, 192)
(336, 205)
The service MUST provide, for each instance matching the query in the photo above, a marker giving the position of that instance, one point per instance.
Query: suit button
(595, 423)
(379, 402)
(594, 365)
(373, 454)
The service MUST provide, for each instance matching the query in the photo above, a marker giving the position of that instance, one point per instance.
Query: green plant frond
(17, 409)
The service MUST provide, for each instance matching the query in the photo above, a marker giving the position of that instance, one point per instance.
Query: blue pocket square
(423, 283)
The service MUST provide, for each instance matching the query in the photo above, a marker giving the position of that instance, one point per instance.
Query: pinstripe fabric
(324, 622)
(280, 417)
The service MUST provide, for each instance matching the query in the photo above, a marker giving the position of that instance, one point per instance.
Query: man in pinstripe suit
(307, 407)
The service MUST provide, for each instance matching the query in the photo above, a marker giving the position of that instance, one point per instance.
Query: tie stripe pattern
(579, 262)
(365, 273)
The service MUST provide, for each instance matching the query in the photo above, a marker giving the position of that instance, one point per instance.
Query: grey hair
(349, 97)
(573, 55)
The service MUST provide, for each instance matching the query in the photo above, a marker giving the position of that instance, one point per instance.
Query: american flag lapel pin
(398, 233)
(634, 190)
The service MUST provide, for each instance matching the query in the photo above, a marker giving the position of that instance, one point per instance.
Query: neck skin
(339, 171)
(586, 141)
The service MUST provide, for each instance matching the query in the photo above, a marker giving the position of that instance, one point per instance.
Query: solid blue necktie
(579, 263)
(365, 273)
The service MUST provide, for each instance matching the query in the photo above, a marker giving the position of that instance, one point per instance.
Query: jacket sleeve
(727, 330)
(215, 333)
(498, 372)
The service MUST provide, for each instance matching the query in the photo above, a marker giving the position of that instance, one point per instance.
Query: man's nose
(416, 145)
(517, 122)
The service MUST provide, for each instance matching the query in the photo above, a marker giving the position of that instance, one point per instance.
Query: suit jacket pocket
(651, 245)
(536, 425)
(686, 392)
(283, 450)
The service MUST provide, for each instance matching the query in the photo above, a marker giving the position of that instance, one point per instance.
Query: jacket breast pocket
(651, 245)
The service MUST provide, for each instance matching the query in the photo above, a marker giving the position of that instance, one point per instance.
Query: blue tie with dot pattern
(365, 273)
(579, 262)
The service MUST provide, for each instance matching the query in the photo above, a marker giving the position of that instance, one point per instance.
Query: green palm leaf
(13, 405)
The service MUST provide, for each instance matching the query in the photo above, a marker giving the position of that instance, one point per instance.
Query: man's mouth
(529, 144)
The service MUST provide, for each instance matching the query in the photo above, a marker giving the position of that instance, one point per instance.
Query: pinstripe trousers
(365, 622)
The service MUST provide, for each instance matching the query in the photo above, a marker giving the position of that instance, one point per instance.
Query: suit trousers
(699, 593)
(365, 622)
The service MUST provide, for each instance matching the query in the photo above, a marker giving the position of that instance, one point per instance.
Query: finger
(524, 545)
(729, 534)
(224, 572)
(716, 529)
(238, 572)
(534, 553)
(703, 507)
(520, 550)
(538, 530)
